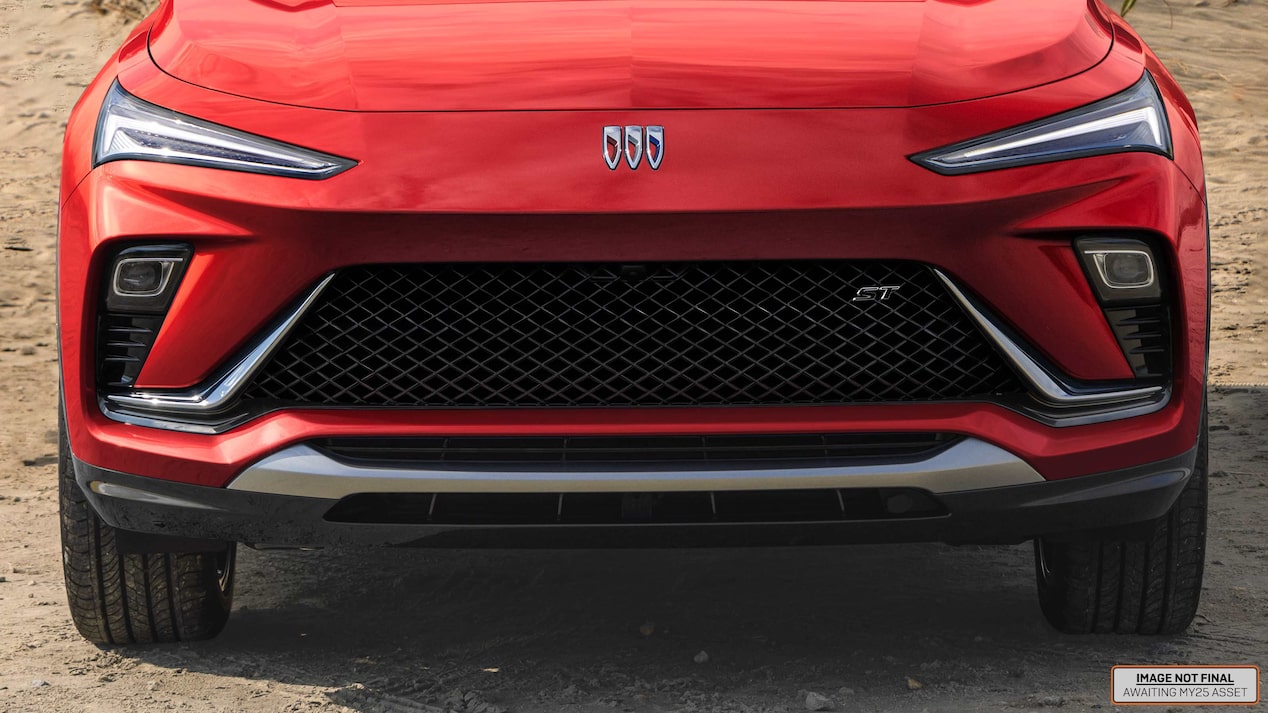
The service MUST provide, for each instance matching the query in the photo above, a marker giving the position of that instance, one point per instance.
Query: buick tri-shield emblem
(655, 145)
(633, 145)
(612, 146)
(633, 142)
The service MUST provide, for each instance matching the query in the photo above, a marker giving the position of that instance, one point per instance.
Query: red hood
(432, 55)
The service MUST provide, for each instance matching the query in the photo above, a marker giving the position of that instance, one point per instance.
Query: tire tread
(118, 599)
(1149, 586)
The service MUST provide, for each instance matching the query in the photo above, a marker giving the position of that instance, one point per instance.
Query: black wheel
(1146, 586)
(135, 598)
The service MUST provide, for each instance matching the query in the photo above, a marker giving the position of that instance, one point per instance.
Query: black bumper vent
(611, 335)
(757, 506)
(123, 343)
(1144, 333)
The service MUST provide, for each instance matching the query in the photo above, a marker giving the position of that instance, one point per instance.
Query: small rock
(1052, 701)
(913, 684)
(153, 686)
(648, 628)
(1219, 474)
(818, 702)
(1216, 562)
(28, 350)
(2, 579)
(702, 657)
(845, 691)
(38, 683)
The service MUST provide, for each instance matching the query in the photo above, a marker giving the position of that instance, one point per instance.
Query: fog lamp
(143, 278)
(1121, 270)
(1124, 269)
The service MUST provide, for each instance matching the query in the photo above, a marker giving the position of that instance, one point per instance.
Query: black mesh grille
(671, 334)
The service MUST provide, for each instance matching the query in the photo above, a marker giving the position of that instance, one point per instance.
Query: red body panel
(626, 54)
(770, 179)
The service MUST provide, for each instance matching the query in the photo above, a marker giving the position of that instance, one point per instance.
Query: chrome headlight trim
(1132, 120)
(129, 128)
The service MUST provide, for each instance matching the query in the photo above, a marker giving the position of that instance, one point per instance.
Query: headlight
(1134, 120)
(129, 128)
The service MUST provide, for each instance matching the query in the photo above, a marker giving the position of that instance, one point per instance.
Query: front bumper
(982, 495)
(1005, 236)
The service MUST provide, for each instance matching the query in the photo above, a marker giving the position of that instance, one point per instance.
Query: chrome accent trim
(124, 492)
(135, 418)
(222, 392)
(1045, 387)
(303, 471)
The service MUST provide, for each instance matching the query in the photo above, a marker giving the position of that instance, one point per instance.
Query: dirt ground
(921, 628)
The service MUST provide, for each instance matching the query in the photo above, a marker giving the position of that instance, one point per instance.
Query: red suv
(631, 273)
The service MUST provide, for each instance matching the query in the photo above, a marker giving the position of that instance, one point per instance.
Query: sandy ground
(597, 631)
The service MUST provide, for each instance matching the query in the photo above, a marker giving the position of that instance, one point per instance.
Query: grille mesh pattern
(594, 335)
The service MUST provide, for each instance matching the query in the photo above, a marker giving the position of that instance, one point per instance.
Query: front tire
(1146, 586)
(119, 599)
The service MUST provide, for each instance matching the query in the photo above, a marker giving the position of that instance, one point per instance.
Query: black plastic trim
(1116, 501)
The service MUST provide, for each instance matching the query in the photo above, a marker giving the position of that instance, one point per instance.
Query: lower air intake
(614, 335)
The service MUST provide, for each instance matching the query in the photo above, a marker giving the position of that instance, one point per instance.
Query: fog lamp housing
(139, 284)
(1129, 282)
